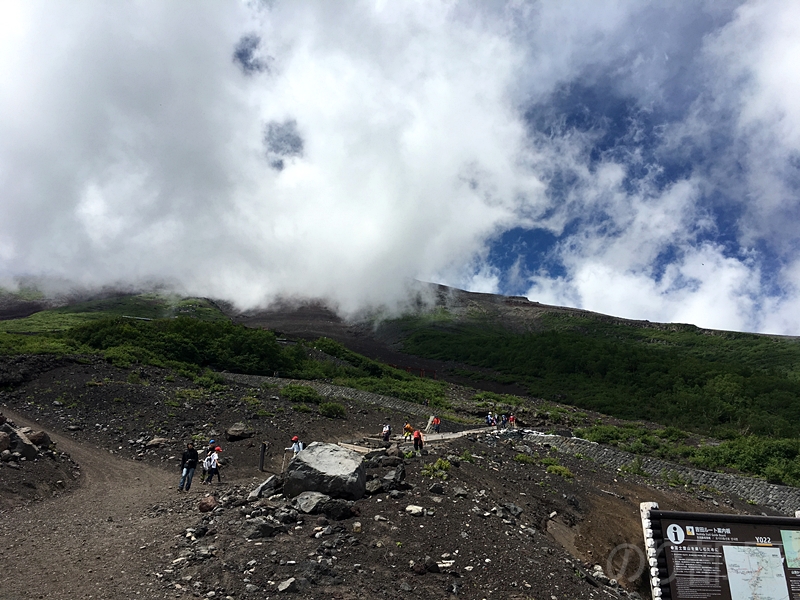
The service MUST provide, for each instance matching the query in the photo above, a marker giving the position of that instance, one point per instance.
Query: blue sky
(640, 159)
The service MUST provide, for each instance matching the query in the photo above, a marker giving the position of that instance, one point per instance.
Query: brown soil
(116, 527)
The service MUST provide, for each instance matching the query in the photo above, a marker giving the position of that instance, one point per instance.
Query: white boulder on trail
(329, 469)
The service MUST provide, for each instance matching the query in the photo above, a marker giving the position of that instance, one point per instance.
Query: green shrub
(332, 410)
(438, 469)
(466, 456)
(524, 459)
(301, 408)
(560, 470)
(300, 393)
(547, 460)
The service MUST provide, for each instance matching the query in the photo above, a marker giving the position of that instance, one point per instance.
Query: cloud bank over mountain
(633, 159)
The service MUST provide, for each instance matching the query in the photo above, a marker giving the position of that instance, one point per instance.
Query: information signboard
(709, 556)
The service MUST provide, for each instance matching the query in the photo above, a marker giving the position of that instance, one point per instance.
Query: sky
(638, 159)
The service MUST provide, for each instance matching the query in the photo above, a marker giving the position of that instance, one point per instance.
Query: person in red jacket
(419, 442)
(437, 423)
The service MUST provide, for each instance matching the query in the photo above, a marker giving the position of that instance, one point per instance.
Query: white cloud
(132, 150)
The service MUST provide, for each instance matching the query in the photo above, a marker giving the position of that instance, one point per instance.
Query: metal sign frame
(711, 556)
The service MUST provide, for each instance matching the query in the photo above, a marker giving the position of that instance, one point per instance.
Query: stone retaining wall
(782, 498)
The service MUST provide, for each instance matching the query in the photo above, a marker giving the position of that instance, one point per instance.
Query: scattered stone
(289, 586)
(262, 527)
(157, 442)
(374, 486)
(436, 488)
(208, 504)
(269, 487)
(310, 503)
(415, 511)
(238, 431)
(40, 439)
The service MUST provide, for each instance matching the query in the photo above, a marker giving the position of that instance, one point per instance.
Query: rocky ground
(98, 515)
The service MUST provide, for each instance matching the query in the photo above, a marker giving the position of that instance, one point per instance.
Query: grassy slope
(728, 385)
(743, 388)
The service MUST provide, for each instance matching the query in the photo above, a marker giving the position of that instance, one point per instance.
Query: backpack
(207, 463)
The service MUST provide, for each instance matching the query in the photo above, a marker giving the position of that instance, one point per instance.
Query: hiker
(209, 451)
(418, 441)
(387, 432)
(212, 465)
(504, 420)
(407, 430)
(437, 423)
(188, 465)
(489, 419)
(512, 421)
(296, 447)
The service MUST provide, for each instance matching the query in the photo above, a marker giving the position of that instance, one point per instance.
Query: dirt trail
(97, 542)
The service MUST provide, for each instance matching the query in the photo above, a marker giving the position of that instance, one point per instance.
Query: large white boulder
(329, 469)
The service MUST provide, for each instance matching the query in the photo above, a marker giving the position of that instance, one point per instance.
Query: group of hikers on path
(501, 421)
(191, 458)
(409, 432)
(211, 463)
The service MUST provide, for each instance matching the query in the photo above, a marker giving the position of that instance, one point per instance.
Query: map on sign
(791, 547)
(755, 573)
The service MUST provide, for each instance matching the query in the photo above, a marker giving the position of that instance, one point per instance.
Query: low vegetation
(725, 400)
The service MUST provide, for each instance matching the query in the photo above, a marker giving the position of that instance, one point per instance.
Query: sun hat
(217, 449)
(295, 439)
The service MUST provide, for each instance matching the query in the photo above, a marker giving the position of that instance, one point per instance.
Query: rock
(393, 450)
(5, 441)
(262, 527)
(388, 461)
(157, 442)
(40, 439)
(374, 486)
(288, 586)
(21, 444)
(415, 511)
(375, 453)
(430, 565)
(512, 508)
(238, 431)
(393, 479)
(310, 503)
(329, 469)
(338, 509)
(208, 504)
(460, 492)
(285, 515)
(357, 527)
(268, 488)
(436, 488)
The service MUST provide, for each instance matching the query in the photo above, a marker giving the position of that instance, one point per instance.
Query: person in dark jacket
(188, 465)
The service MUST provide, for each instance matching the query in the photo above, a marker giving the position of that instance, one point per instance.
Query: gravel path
(96, 542)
